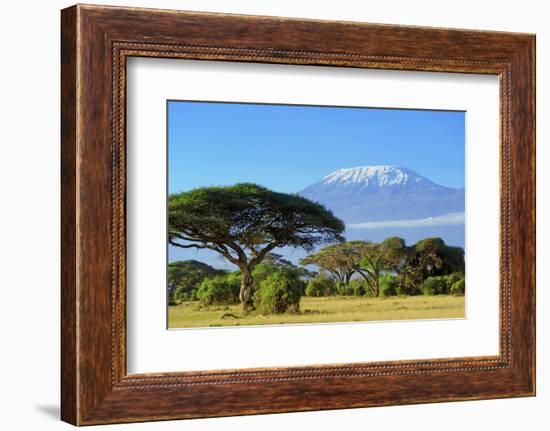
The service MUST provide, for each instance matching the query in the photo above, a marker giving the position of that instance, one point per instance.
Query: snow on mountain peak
(380, 193)
(383, 175)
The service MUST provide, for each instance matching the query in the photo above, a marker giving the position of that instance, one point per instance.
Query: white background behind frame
(153, 348)
(34, 400)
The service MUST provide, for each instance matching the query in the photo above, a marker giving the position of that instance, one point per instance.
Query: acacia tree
(340, 260)
(375, 258)
(431, 257)
(370, 262)
(245, 222)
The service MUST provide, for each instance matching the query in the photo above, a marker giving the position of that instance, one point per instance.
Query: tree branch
(365, 274)
(219, 248)
(262, 253)
(175, 244)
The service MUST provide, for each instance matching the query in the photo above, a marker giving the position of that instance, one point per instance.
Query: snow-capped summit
(379, 193)
(382, 175)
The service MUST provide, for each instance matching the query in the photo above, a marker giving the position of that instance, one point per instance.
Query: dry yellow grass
(322, 310)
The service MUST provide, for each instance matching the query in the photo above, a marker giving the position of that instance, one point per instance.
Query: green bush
(320, 286)
(183, 293)
(279, 292)
(444, 285)
(260, 273)
(357, 287)
(220, 290)
(185, 277)
(264, 270)
(458, 288)
(389, 285)
(341, 289)
(434, 286)
(453, 278)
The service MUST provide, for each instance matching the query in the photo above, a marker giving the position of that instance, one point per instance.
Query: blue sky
(288, 148)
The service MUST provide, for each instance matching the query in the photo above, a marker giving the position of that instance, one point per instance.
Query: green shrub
(341, 289)
(320, 286)
(409, 287)
(185, 277)
(260, 273)
(183, 293)
(389, 285)
(279, 292)
(458, 288)
(357, 287)
(220, 290)
(434, 286)
(443, 285)
(264, 270)
(453, 278)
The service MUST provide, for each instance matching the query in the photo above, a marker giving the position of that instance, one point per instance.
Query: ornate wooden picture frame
(96, 41)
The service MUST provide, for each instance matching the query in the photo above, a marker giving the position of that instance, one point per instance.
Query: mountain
(383, 193)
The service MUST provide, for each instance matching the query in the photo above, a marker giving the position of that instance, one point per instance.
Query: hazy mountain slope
(379, 193)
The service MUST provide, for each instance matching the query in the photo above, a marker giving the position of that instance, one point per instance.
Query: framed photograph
(266, 215)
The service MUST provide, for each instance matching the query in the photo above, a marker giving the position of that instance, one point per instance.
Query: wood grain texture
(96, 41)
(69, 397)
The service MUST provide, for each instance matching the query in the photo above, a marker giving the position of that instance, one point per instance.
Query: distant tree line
(387, 268)
(356, 268)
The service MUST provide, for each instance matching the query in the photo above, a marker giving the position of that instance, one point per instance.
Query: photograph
(302, 214)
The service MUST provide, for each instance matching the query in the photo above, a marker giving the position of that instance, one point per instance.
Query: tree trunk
(348, 278)
(369, 283)
(245, 294)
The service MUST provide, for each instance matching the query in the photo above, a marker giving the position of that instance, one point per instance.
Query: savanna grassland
(191, 314)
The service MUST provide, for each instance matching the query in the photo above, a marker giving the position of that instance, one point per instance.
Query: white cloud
(445, 220)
